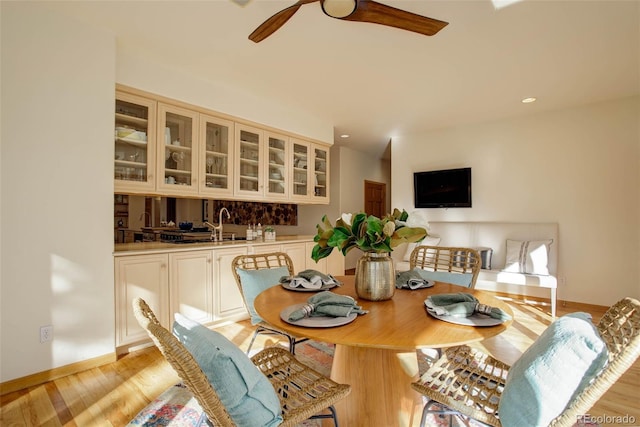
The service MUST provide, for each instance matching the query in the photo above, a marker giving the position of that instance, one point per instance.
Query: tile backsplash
(252, 212)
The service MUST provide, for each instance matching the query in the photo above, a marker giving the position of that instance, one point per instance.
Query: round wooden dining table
(375, 353)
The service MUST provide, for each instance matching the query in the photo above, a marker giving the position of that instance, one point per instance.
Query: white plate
(315, 322)
(288, 287)
(475, 319)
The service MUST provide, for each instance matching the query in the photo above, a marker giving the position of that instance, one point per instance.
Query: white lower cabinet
(298, 254)
(191, 285)
(228, 302)
(265, 249)
(143, 276)
(199, 284)
(333, 264)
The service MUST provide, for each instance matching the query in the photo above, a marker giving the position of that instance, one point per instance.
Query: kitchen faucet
(219, 226)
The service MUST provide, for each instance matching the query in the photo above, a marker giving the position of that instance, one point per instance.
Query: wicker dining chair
(259, 262)
(468, 383)
(448, 260)
(303, 392)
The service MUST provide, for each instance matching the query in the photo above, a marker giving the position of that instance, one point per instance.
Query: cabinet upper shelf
(133, 142)
(178, 147)
(131, 120)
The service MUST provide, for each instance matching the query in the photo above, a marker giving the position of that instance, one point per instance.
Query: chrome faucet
(219, 226)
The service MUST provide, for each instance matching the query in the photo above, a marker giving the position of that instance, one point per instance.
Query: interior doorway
(375, 198)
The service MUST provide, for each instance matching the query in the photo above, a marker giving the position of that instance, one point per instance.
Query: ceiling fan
(354, 10)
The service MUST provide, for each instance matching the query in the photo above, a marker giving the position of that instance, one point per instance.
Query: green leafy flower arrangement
(367, 233)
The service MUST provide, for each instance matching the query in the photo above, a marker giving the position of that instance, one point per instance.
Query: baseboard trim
(55, 373)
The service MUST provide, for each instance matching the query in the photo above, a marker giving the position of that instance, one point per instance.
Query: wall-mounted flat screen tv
(450, 188)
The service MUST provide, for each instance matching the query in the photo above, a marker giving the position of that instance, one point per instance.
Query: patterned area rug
(176, 407)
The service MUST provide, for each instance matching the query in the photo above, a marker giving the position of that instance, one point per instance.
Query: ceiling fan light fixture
(338, 8)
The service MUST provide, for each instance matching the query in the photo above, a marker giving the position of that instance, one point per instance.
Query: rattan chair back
(259, 262)
(184, 364)
(620, 330)
(448, 259)
(469, 382)
(303, 392)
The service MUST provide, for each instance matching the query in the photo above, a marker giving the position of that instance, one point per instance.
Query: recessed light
(528, 100)
(344, 135)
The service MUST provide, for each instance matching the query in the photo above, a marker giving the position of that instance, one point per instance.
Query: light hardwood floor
(112, 394)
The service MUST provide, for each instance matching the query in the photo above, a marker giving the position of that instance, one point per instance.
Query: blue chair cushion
(245, 392)
(460, 279)
(255, 281)
(549, 374)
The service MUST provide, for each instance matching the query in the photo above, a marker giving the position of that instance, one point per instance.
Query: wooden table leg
(381, 393)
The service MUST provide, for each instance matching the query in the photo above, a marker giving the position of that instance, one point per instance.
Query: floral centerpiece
(368, 233)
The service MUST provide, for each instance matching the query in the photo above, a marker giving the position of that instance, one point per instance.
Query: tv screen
(449, 188)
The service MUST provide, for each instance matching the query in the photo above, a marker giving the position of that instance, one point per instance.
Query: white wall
(355, 168)
(578, 167)
(58, 81)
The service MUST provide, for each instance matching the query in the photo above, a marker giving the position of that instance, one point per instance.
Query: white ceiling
(374, 82)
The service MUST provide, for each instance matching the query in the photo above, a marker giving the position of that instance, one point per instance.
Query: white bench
(494, 235)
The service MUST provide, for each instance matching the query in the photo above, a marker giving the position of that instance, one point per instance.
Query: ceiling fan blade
(378, 13)
(272, 24)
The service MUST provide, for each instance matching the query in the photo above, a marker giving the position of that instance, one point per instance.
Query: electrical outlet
(46, 333)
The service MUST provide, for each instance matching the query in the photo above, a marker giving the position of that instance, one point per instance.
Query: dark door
(375, 197)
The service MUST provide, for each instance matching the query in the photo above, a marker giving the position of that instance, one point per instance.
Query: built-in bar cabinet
(176, 149)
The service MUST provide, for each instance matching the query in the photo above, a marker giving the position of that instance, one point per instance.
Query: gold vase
(375, 276)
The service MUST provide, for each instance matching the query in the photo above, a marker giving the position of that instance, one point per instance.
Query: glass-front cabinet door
(135, 130)
(301, 155)
(321, 173)
(178, 150)
(216, 158)
(277, 169)
(248, 168)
